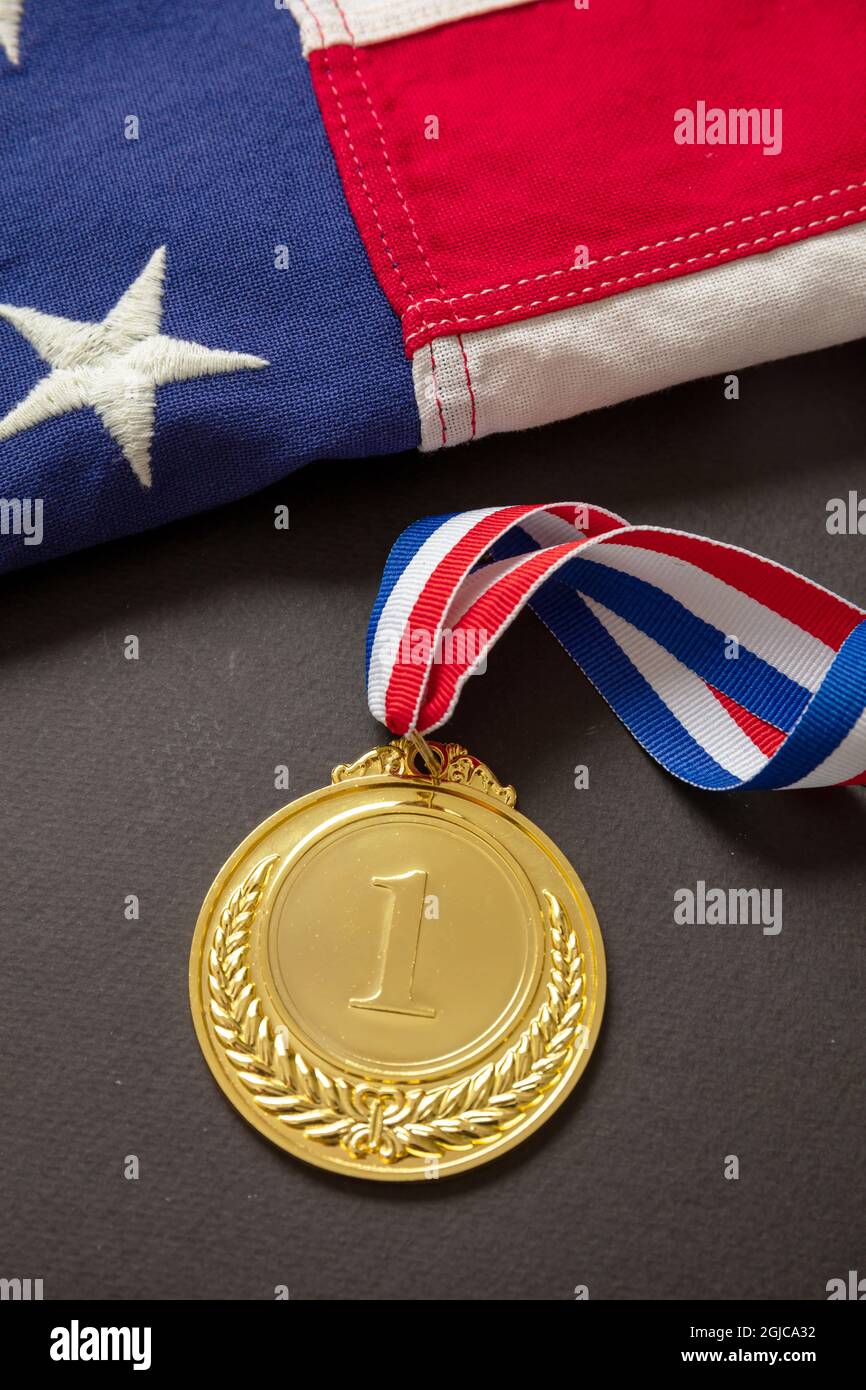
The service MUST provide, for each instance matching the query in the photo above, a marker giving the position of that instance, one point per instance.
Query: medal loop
(430, 759)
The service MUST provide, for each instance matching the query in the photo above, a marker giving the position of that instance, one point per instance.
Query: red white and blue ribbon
(730, 670)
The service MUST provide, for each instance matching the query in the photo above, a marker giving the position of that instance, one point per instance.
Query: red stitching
(468, 382)
(639, 275)
(428, 327)
(330, 74)
(405, 206)
(442, 424)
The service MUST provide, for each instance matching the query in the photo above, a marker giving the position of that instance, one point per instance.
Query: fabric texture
(189, 309)
(324, 22)
(553, 130)
(249, 334)
(526, 164)
(798, 298)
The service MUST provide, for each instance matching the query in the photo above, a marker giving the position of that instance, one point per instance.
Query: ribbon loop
(729, 669)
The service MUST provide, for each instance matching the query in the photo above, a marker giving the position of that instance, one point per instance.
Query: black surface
(140, 777)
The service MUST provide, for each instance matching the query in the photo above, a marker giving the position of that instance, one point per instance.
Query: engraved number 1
(405, 912)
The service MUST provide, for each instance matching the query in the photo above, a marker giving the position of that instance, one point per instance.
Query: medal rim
(451, 1164)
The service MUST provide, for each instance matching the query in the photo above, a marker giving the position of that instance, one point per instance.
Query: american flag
(242, 237)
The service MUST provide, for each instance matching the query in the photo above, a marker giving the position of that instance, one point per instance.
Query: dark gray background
(140, 777)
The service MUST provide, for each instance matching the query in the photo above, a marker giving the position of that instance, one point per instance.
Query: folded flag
(187, 312)
(242, 237)
(520, 171)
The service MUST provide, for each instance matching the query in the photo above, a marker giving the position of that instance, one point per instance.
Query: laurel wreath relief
(380, 1120)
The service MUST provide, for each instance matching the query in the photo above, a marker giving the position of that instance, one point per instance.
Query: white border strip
(371, 21)
(798, 298)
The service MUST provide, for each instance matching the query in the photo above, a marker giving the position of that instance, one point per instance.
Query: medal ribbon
(729, 669)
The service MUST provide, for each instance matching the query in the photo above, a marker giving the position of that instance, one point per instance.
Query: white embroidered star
(114, 366)
(10, 28)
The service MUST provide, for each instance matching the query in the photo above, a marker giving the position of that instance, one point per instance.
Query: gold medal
(398, 976)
